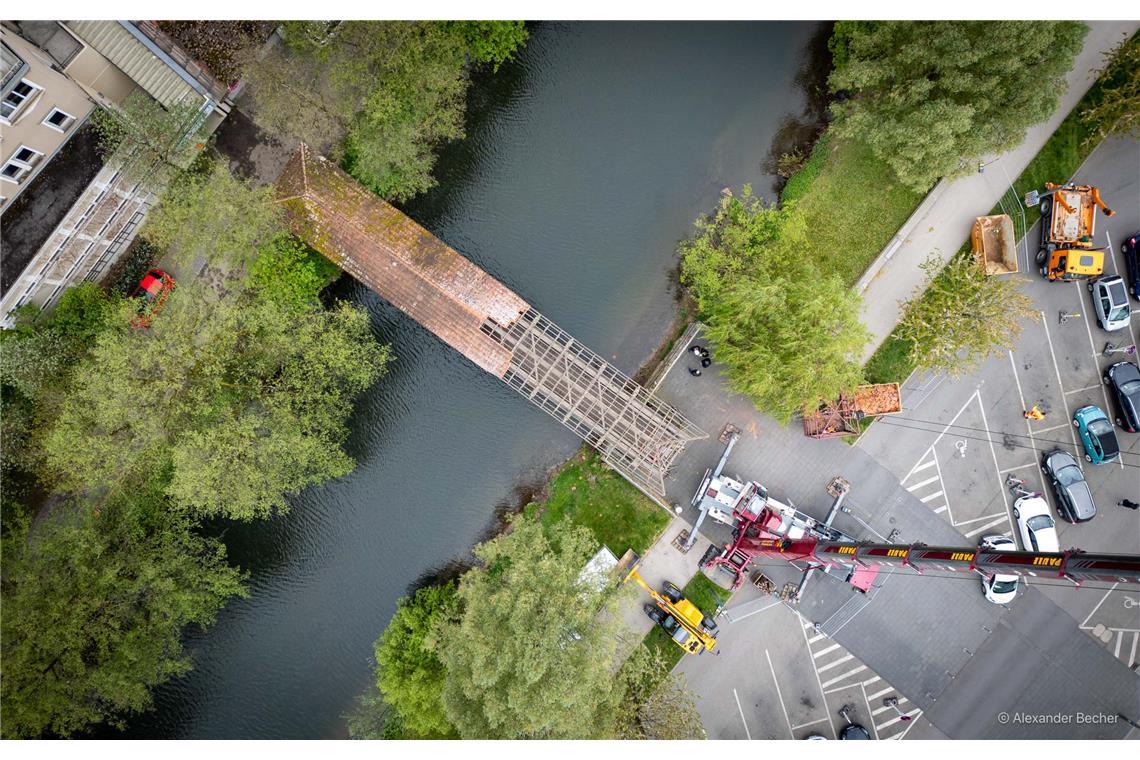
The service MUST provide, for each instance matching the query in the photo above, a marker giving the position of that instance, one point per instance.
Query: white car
(999, 588)
(1110, 299)
(1035, 523)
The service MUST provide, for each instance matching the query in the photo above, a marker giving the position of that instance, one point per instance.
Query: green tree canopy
(530, 657)
(657, 703)
(290, 273)
(930, 96)
(788, 334)
(151, 142)
(960, 317)
(94, 608)
(408, 673)
(382, 95)
(1115, 109)
(214, 215)
(244, 399)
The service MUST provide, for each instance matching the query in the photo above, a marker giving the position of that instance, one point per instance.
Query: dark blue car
(1132, 262)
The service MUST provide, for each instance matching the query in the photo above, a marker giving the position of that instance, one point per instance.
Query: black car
(1132, 262)
(1124, 379)
(1074, 498)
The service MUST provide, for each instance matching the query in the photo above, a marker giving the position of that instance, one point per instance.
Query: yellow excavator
(687, 626)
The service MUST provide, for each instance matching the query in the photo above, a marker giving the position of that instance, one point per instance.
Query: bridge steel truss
(637, 433)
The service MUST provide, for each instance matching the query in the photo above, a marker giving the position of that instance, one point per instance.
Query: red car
(154, 289)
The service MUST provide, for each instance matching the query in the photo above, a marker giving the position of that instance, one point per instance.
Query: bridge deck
(637, 433)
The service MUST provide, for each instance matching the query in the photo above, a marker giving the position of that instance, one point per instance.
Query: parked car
(1035, 524)
(1124, 380)
(1110, 300)
(999, 588)
(1097, 435)
(153, 290)
(1128, 249)
(1074, 497)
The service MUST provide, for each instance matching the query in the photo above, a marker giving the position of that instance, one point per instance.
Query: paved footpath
(942, 222)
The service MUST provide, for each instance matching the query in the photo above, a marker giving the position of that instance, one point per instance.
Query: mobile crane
(764, 527)
(687, 626)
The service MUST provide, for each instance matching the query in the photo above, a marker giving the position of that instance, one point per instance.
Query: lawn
(852, 203)
(701, 592)
(587, 492)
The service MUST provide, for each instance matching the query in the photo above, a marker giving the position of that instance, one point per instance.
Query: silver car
(1110, 299)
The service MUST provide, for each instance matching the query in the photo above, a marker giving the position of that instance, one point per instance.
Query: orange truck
(1068, 224)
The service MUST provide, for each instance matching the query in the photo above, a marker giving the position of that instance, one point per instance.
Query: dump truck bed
(1068, 227)
(993, 244)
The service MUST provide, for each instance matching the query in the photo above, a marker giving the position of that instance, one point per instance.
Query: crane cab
(1067, 264)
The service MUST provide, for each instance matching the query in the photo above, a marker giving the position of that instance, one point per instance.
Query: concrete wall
(27, 127)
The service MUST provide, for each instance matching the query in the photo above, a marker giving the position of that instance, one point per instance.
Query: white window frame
(26, 166)
(25, 100)
(66, 124)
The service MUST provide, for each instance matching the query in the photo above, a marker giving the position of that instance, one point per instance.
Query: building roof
(118, 45)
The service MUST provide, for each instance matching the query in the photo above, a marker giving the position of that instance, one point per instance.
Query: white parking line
(976, 519)
(919, 468)
(926, 482)
(1119, 641)
(1080, 390)
(840, 661)
(822, 693)
(997, 469)
(941, 509)
(870, 681)
(880, 693)
(824, 651)
(754, 612)
(1051, 429)
(931, 497)
(778, 694)
(742, 720)
(816, 638)
(1019, 467)
(884, 708)
(1132, 656)
(898, 719)
(849, 673)
(987, 526)
(810, 722)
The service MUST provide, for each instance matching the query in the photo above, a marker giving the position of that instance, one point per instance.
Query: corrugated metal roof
(124, 50)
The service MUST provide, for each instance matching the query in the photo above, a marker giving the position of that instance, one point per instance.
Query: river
(586, 160)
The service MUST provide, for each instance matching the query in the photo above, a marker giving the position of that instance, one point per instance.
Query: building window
(20, 164)
(15, 100)
(59, 119)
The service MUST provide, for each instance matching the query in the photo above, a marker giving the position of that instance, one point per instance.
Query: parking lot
(957, 440)
(797, 681)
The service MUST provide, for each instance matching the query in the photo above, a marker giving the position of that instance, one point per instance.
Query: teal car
(1097, 435)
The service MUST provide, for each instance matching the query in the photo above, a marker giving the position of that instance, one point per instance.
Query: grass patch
(701, 592)
(852, 203)
(891, 362)
(587, 492)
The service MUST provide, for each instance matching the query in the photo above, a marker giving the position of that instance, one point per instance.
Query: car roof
(1126, 370)
(1083, 505)
(1032, 505)
(1058, 458)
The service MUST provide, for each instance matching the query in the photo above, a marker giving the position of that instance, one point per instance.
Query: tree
(493, 42)
(381, 95)
(215, 215)
(928, 97)
(152, 143)
(1115, 109)
(960, 316)
(408, 673)
(290, 273)
(373, 718)
(788, 334)
(244, 400)
(529, 657)
(657, 704)
(94, 608)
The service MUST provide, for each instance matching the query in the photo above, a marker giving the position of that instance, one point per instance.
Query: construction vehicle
(765, 528)
(1068, 224)
(687, 626)
(992, 242)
